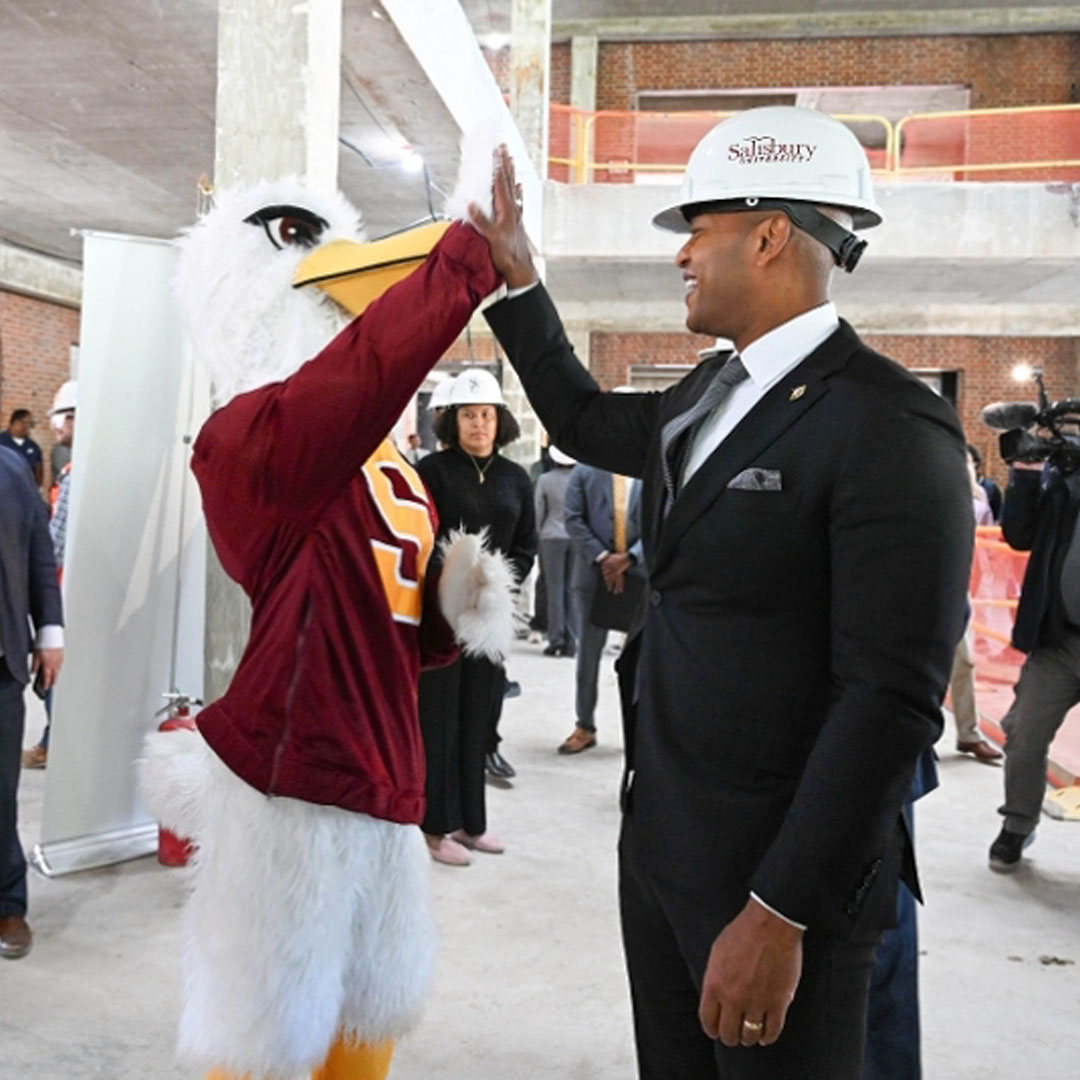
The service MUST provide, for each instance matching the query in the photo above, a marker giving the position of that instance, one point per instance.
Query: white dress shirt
(767, 361)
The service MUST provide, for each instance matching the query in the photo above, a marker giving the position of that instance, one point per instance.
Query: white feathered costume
(309, 915)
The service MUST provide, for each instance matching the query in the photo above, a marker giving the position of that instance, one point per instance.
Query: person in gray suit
(590, 524)
(29, 593)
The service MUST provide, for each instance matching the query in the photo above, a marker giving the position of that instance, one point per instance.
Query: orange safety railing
(1036, 144)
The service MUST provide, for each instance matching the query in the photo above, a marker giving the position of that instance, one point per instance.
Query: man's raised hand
(504, 231)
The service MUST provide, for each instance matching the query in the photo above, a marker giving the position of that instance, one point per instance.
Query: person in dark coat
(29, 595)
(477, 489)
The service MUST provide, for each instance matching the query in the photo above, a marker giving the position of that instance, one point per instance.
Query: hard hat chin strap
(845, 246)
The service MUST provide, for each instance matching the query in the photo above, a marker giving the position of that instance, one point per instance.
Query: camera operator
(1039, 516)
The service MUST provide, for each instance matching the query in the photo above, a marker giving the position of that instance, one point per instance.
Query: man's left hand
(48, 661)
(750, 980)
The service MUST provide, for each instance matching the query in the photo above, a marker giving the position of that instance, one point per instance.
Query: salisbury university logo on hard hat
(472, 384)
(765, 150)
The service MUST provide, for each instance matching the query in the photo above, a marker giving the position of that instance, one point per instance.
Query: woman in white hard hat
(474, 488)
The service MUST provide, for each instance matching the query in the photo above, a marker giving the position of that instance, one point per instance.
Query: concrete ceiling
(107, 119)
(107, 107)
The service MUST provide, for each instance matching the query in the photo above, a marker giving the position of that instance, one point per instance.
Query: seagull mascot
(308, 940)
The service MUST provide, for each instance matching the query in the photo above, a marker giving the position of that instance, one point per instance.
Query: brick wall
(35, 342)
(612, 355)
(1002, 70)
(984, 366)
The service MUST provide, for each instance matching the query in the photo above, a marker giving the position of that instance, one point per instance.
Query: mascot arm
(306, 437)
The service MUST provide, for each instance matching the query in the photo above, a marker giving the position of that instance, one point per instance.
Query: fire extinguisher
(175, 850)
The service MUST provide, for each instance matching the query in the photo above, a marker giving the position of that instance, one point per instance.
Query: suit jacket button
(655, 597)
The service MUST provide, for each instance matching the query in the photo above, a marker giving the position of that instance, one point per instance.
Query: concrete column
(583, 53)
(278, 91)
(278, 101)
(530, 67)
(583, 58)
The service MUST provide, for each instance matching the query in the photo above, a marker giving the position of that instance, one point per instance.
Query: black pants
(12, 860)
(667, 938)
(460, 707)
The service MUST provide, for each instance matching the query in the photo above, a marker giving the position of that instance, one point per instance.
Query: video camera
(1017, 421)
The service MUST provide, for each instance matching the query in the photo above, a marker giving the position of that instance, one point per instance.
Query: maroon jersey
(329, 530)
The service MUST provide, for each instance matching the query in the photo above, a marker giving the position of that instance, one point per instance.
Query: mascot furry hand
(308, 941)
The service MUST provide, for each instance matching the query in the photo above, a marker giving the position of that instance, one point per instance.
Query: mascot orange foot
(346, 1061)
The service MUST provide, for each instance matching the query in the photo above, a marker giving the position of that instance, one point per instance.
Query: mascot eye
(289, 226)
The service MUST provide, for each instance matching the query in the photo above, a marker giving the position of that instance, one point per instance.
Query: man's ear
(773, 235)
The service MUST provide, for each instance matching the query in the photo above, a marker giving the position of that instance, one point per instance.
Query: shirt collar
(773, 355)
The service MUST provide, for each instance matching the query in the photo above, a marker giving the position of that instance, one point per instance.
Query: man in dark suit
(808, 539)
(29, 592)
(607, 548)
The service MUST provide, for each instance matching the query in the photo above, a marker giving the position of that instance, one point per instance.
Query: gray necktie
(673, 451)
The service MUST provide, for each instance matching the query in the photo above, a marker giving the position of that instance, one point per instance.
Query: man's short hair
(19, 414)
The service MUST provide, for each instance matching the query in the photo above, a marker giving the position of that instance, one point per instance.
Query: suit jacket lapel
(777, 411)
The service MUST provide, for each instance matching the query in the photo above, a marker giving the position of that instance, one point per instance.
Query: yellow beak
(356, 274)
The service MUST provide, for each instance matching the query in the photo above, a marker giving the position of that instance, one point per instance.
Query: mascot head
(234, 282)
(244, 267)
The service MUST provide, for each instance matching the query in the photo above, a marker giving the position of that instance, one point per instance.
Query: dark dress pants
(667, 938)
(459, 709)
(892, 1040)
(12, 860)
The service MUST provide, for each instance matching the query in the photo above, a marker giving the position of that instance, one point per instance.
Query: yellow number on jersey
(402, 499)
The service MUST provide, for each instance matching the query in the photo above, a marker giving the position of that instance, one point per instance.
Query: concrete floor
(529, 983)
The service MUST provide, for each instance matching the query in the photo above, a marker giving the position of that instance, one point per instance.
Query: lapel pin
(797, 392)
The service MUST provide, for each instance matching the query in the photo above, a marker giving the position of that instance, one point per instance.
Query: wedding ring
(753, 1025)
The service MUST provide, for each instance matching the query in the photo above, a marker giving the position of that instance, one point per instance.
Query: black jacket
(28, 584)
(1039, 516)
(796, 643)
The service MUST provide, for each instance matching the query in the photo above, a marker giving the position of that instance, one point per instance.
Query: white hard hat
(559, 457)
(476, 386)
(65, 398)
(781, 154)
(440, 396)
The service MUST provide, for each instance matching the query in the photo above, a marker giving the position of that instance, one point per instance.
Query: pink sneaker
(445, 850)
(487, 842)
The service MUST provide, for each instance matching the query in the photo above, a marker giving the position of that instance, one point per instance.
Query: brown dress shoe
(981, 750)
(579, 739)
(15, 937)
(37, 757)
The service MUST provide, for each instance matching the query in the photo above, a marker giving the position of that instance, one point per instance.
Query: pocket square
(757, 480)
